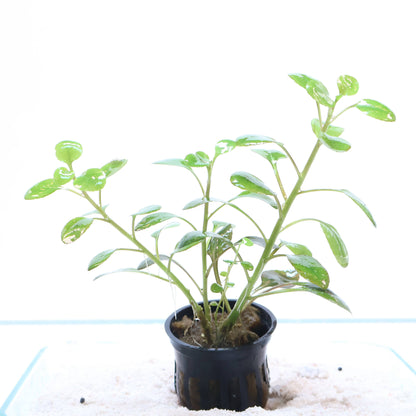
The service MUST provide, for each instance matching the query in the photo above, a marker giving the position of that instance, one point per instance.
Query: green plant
(215, 237)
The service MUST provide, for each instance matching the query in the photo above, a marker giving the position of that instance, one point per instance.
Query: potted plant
(220, 344)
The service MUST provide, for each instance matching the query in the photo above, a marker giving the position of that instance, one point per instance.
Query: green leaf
(189, 240)
(147, 262)
(358, 202)
(216, 288)
(270, 155)
(147, 210)
(75, 228)
(250, 183)
(218, 246)
(337, 144)
(62, 176)
(153, 219)
(100, 258)
(247, 242)
(295, 248)
(334, 131)
(224, 146)
(252, 140)
(247, 265)
(261, 197)
(300, 79)
(195, 203)
(156, 234)
(258, 241)
(335, 242)
(310, 269)
(323, 293)
(68, 151)
(347, 85)
(315, 89)
(273, 278)
(376, 110)
(319, 93)
(197, 160)
(174, 162)
(41, 189)
(330, 131)
(114, 166)
(316, 127)
(92, 180)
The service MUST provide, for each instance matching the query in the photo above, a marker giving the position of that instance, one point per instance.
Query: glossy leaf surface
(296, 248)
(252, 140)
(300, 79)
(250, 183)
(316, 127)
(75, 228)
(217, 247)
(330, 131)
(358, 202)
(261, 197)
(156, 234)
(197, 160)
(62, 176)
(100, 258)
(270, 155)
(41, 189)
(113, 167)
(148, 210)
(310, 269)
(224, 146)
(334, 131)
(347, 85)
(247, 265)
(216, 288)
(335, 242)
(153, 219)
(337, 144)
(173, 162)
(195, 203)
(92, 180)
(147, 262)
(323, 293)
(189, 240)
(315, 89)
(319, 93)
(68, 151)
(376, 110)
(273, 278)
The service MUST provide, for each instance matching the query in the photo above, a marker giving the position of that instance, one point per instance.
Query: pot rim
(261, 340)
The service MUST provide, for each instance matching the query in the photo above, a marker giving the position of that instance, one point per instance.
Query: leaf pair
(330, 138)
(347, 86)
(91, 180)
(225, 146)
(192, 160)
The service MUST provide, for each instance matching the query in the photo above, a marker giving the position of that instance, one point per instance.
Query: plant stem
(197, 309)
(206, 195)
(246, 293)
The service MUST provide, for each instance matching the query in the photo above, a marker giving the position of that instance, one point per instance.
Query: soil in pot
(248, 328)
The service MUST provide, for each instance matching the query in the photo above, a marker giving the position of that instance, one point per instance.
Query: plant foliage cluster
(282, 266)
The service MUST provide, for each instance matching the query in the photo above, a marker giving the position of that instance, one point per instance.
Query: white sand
(120, 380)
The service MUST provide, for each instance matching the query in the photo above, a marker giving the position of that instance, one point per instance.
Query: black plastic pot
(223, 378)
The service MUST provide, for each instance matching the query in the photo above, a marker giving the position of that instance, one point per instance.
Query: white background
(152, 80)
